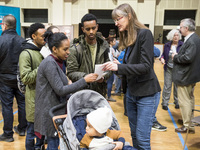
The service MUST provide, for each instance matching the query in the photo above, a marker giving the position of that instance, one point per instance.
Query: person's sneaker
(164, 107)
(5, 138)
(20, 132)
(111, 99)
(157, 126)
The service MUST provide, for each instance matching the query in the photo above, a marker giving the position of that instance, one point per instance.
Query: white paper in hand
(99, 70)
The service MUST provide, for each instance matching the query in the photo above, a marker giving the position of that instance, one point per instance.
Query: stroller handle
(55, 108)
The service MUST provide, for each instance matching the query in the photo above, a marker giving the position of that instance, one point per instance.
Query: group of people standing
(47, 84)
(181, 67)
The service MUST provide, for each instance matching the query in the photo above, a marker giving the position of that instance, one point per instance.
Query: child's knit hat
(100, 119)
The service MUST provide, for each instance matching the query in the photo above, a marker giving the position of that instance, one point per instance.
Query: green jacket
(28, 67)
(79, 62)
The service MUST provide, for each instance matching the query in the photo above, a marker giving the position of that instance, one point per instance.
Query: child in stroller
(98, 133)
(79, 105)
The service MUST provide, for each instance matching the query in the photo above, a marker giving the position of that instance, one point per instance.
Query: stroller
(79, 105)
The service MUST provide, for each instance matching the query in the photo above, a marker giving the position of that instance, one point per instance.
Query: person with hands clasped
(172, 46)
(139, 79)
(53, 87)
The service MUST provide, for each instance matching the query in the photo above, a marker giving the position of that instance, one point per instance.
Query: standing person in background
(87, 51)
(10, 49)
(111, 41)
(156, 125)
(120, 59)
(186, 72)
(53, 29)
(99, 34)
(174, 45)
(142, 86)
(117, 81)
(156, 52)
(29, 60)
(53, 87)
(112, 33)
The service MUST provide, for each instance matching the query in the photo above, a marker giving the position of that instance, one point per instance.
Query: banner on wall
(15, 11)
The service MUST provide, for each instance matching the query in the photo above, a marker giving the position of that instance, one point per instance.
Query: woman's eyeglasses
(118, 19)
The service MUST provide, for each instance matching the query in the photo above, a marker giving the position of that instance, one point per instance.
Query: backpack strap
(30, 58)
(20, 84)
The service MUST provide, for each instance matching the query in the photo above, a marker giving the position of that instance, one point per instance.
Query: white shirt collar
(187, 37)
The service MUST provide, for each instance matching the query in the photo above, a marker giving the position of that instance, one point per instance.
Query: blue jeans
(141, 112)
(7, 95)
(118, 85)
(30, 138)
(157, 103)
(53, 143)
(109, 85)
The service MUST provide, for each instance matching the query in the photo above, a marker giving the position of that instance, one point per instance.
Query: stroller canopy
(81, 103)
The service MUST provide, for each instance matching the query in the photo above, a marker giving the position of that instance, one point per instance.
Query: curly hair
(34, 27)
(170, 35)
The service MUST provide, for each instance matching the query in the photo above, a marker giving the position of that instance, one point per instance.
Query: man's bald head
(10, 21)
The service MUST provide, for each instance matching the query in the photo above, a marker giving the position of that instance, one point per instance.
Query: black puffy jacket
(10, 49)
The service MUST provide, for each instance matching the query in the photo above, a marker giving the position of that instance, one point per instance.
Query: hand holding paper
(99, 70)
(110, 66)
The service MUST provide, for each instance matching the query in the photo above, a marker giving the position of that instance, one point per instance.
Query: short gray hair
(10, 21)
(170, 35)
(190, 23)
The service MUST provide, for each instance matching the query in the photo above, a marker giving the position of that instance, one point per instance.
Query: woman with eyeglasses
(139, 79)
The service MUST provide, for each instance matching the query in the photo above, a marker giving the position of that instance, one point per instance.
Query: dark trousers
(118, 85)
(30, 138)
(7, 95)
(53, 143)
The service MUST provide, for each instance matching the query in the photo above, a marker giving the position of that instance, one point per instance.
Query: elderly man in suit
(186, 71)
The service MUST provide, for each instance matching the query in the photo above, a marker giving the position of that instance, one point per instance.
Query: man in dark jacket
(10, 48)
(87, 51)
(186, 71)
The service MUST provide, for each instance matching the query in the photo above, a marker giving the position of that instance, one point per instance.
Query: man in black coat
(10, 48)
(186, 71)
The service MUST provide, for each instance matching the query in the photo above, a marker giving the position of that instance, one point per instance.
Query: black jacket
(10, 49)
(138, 71)
(186, 69)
